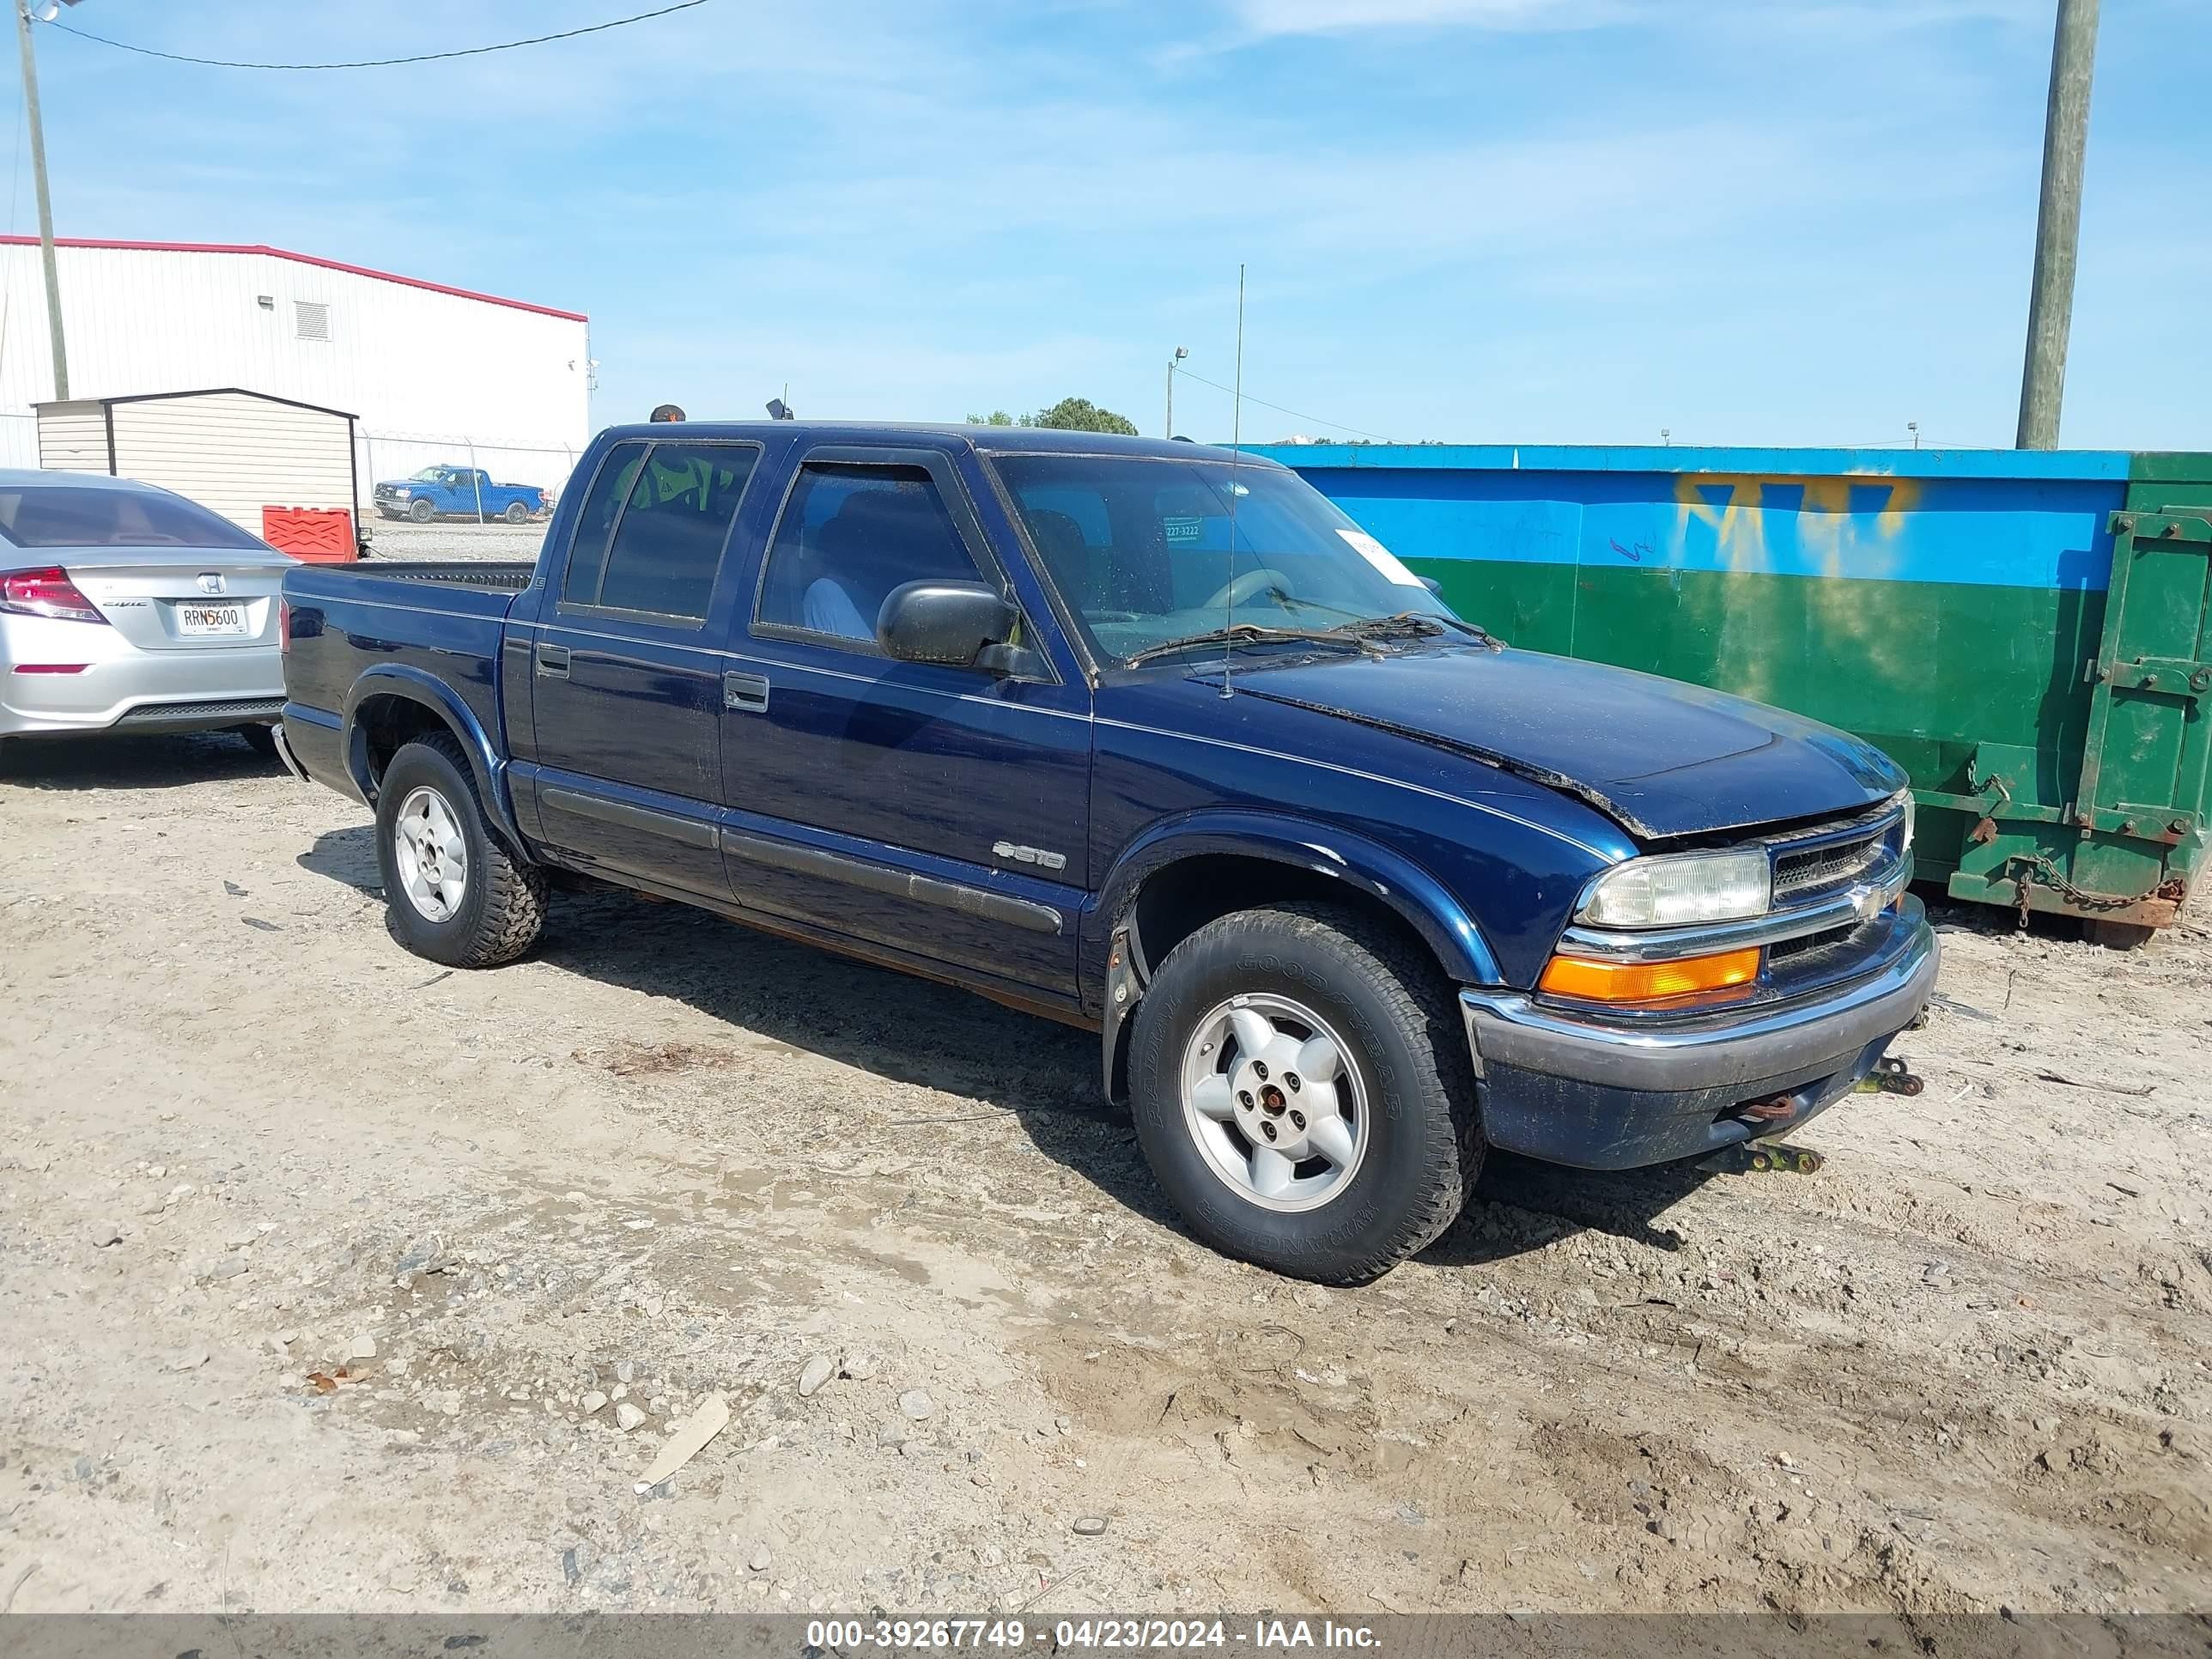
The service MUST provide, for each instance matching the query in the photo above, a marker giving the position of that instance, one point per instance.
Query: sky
(1753, 222)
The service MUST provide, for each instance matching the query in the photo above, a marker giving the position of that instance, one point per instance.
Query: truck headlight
(1681, 890)
(402, 493)
(1911, 808)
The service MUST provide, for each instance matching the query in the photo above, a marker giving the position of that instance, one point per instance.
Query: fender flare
(415, 685)
(1121, 968)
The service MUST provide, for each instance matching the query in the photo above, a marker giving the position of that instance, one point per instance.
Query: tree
(996, 417)
(1081, 415)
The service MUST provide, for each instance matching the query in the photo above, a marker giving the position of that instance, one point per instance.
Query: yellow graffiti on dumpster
(1771, 635)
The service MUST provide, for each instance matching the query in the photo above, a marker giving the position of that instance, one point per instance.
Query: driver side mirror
(957, 625)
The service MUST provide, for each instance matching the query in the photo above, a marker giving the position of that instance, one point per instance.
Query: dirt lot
(251, 1142)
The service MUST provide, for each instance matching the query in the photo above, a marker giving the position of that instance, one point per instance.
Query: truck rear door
(626, 674)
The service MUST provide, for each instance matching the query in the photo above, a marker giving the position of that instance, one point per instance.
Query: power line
(1338, 426)
(380, 63)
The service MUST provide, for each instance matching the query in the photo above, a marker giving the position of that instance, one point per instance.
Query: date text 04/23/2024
(1104, 1634)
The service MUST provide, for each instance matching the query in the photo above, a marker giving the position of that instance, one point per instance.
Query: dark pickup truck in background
(457, 492)
(1151, 738)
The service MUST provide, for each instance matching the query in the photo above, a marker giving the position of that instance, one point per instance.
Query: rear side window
(595, 524)
(847, 536)
(87, 515)
(651, 535)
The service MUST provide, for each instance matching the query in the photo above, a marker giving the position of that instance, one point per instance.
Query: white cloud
(1261, 20)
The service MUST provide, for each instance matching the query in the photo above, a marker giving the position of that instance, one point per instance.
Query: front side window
(49, 515)
(651, 533)
(848, 536)
(1143, 551)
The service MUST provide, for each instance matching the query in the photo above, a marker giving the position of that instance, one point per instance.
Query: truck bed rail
(510, 576)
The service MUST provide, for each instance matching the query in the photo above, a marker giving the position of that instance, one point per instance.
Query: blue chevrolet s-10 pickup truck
(1148, 738)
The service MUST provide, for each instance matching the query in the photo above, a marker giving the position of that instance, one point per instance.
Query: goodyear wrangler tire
(1303, 1091)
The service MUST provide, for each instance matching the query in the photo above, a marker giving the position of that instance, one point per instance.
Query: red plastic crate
(318, 534)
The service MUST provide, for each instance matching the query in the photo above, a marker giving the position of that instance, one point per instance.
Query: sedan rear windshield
(78, 515)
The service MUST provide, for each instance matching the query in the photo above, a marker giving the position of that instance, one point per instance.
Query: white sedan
(125, 608)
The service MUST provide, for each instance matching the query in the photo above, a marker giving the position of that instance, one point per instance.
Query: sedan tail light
(47, 592)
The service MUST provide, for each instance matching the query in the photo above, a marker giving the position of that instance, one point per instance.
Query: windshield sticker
(1181, 530)
(1381, 558)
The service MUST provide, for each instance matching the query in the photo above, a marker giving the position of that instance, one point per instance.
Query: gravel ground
(454, 539)
(337, 1282)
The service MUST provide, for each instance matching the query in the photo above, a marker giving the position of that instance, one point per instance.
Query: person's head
(667, 412)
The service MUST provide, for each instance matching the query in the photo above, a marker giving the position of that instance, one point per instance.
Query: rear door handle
(746, 693)
(553, 661)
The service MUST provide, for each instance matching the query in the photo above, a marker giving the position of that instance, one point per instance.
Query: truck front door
(938, 811)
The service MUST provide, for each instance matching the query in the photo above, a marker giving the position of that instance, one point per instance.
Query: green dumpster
(2028, 634)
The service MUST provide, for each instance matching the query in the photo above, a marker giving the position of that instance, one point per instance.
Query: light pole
(1913, 427)
(2058, 224)
(1181, 352)
(48, 10)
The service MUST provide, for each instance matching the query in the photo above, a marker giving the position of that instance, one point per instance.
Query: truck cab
(1151, 738)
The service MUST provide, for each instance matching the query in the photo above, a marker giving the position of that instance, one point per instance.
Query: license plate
(211, 619)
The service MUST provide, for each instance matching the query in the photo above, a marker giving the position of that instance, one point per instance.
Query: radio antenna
(1236, 449)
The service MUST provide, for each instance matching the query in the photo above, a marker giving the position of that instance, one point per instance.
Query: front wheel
(1302, 1092)
(421, 511)
(456, 895)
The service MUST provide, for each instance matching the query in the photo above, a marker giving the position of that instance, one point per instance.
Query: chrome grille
(1815, 865)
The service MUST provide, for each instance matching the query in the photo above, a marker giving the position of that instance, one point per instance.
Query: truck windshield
(429, 475)
(1142, 550)
(81, 515)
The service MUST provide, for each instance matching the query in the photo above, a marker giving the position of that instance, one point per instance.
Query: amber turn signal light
(1649, 981)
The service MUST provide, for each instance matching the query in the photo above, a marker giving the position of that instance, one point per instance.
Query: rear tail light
(284, 627)
(47, 592)
(51, 668)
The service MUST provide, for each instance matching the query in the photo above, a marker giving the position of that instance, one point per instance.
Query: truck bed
(443, 619)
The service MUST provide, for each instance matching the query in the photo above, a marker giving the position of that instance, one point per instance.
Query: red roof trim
(300, 258)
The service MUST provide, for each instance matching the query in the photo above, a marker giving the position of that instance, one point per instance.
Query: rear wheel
(517, 513)
(456, 895)
(421, 511)
(1302, 1092)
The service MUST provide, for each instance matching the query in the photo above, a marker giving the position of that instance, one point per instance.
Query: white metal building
(433, 373)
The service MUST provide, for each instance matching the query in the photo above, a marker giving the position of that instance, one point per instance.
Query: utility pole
(45, 201)
(2058, 224)
(1181, 352)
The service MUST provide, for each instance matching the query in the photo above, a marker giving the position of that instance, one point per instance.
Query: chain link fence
(382, 457)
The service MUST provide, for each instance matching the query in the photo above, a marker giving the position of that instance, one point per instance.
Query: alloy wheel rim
(432, 855)
(1275, 1103)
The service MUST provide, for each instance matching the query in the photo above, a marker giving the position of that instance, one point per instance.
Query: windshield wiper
(1425, 624)
(1255, 633)
(1397, 625)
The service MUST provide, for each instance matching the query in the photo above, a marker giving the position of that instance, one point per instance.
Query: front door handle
(553, 661)
(746, 693)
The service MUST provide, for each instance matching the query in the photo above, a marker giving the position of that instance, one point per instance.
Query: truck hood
(1662, 758)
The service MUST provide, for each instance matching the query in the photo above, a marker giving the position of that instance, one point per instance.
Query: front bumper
(1607, 1093)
